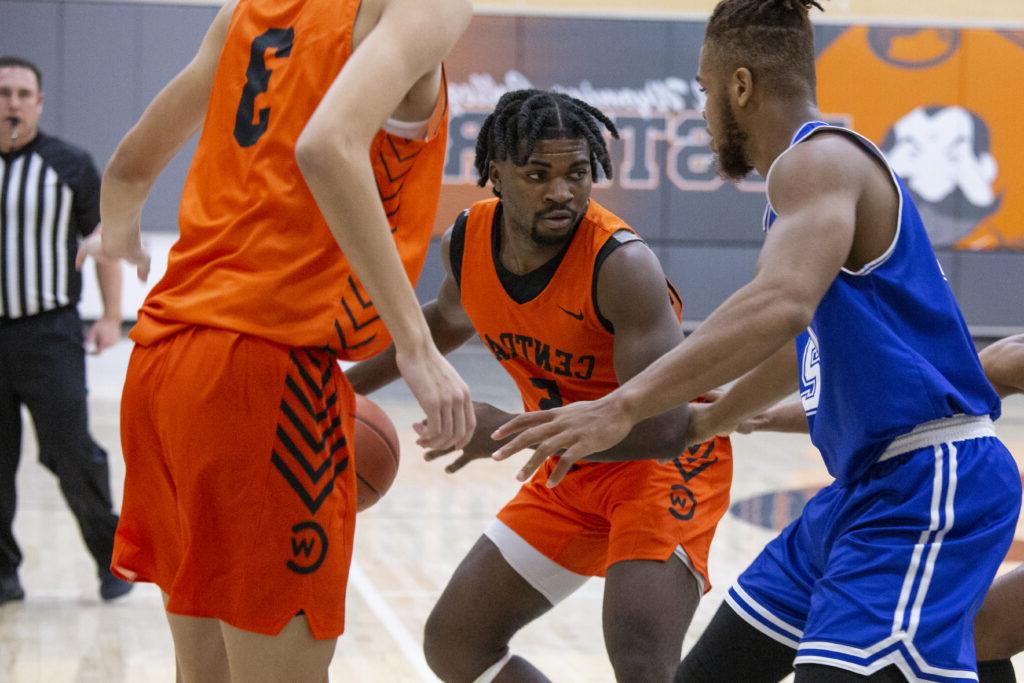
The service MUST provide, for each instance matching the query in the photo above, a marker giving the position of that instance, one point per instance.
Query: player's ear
(494, 175)
(742, 86)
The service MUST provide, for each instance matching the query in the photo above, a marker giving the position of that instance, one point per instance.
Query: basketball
(376, 452)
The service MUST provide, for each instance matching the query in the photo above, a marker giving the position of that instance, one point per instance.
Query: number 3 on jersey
(257, 79)
(554, 397)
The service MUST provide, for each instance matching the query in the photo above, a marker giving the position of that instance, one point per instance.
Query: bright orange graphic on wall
(945, 108)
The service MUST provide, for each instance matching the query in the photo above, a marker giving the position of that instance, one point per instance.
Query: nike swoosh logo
(578, 316)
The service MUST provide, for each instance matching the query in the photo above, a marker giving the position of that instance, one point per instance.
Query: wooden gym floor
(407, 547)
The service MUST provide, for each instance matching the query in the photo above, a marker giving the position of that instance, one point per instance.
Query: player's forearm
(127, 180)
(1003, 362)
(338, 174)
(381, 370)
(173, 117)
(787, 416)
(762, 387)
(121, 211)
(750, 327)
(109, 276)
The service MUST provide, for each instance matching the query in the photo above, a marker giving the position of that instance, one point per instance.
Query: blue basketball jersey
(888, 349)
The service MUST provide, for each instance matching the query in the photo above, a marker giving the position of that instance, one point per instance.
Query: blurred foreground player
(239, 501)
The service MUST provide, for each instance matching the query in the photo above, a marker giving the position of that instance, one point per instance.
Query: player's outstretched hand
(573, 431)
(481, 445)
(442, 394)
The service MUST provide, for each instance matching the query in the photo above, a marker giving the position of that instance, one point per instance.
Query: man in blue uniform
(999, 626)
(882, 574)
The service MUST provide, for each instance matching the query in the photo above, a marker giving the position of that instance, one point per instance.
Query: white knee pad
(494, 669)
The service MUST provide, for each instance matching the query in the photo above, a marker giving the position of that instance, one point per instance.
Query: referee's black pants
(42, 366)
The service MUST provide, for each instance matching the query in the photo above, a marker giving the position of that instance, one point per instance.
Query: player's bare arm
(1003, 362)
(405, 44)
(169, 121)
(785, 416)
(449, 326)
(106, 331)
(632, 296)
(763, 386)
(815, 191)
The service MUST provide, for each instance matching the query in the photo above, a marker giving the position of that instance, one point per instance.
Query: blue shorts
(892, 568)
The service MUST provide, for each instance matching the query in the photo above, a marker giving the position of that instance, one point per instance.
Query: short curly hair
(772, 38)
(522, 117)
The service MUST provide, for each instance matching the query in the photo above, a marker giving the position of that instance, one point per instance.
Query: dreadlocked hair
(772, 38)
(522, 117)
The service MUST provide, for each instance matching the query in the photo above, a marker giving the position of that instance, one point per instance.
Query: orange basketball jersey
(556, 345)
(255, 255)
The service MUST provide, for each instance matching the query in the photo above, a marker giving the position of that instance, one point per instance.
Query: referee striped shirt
(49, 200)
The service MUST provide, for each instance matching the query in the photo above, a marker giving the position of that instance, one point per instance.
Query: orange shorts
(603, 513)
(239, 498)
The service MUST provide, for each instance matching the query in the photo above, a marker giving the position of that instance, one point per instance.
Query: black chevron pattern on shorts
(308, 436)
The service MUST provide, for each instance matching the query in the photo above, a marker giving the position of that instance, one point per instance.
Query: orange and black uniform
(237, 423)
(548, 333)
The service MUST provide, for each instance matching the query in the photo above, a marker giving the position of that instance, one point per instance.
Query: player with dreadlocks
(571, 302)
(881, 575)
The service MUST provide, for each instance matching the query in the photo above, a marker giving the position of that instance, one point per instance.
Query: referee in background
(49, 199)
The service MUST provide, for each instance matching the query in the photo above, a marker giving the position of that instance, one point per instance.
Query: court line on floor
(409, 646)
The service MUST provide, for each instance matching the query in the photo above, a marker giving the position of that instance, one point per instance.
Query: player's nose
(559, 191)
